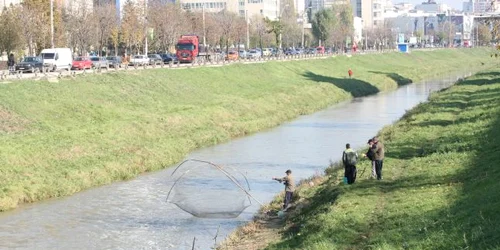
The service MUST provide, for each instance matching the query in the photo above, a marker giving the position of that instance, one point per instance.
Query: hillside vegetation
(58, 138)
(440, 188)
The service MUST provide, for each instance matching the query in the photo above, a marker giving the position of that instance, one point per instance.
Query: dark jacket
(11, 61)
(370, 154)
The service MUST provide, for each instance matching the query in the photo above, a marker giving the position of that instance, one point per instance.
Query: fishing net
(207, 190)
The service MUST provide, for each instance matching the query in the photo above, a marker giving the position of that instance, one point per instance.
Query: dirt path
(257, 234)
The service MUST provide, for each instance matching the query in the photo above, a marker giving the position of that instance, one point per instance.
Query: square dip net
(207, 190)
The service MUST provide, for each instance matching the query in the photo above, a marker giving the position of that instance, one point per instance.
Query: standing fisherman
(289, 183)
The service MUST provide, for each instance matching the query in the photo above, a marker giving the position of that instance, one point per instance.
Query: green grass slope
(60, 138)
(441, 182)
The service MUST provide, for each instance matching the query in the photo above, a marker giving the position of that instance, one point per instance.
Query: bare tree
(259, 29)
(35, 28)
(227, 22)
(344, 24)
(132, 28)
(447, 33)
(167, 21)
(10, 38)
(292, 32)
(106, 20)
(483, 34)
(80, 27)
(381, 36)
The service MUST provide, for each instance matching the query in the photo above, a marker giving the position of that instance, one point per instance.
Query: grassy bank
(440, 187)
(60, 138)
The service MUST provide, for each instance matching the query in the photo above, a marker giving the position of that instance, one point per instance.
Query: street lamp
(248, 29)
(304, 15)
(281, 28)
(52, 23)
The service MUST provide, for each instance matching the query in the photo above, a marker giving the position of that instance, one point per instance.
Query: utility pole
(52, 23)
(204, 31)
(248, 29)
(146, 27)
(450, 39)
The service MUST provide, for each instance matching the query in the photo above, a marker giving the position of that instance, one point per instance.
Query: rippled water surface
(135, 215)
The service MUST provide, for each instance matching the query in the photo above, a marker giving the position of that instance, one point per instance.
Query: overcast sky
(457, 4)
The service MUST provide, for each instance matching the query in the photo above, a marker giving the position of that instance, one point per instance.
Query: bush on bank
(440, 187)
(64, 137)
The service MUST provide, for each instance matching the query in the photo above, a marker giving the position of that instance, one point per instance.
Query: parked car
(139, 60)
(30, 64)
(81, 62)
(267, 51)
(168, 57)
(291, 52)
(312, 51)
(99, 62)
(253, 53)
(232, 55)
(242, 54)
(114, 61)
(320, 50)
(155, 59)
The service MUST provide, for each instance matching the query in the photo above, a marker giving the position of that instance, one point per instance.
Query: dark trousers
(288, 199)
(350, 173)
(378, 168)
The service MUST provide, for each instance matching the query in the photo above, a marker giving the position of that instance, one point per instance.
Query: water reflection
(134, 214)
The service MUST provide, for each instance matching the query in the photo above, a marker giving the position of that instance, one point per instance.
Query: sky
(457, 4)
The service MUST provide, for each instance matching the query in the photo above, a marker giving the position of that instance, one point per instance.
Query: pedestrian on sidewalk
(11, 63)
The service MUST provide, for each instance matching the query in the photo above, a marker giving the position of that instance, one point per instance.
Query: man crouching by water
(289, 183)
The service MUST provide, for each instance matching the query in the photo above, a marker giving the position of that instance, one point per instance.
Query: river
(135, 215)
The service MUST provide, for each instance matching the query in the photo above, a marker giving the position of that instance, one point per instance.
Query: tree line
(25, 28)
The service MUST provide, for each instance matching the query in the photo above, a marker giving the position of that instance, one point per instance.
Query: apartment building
(482, 6)
(210, 5)
(371, 11)
(7, 3)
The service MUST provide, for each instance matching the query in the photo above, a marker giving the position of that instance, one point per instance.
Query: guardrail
(5, 75)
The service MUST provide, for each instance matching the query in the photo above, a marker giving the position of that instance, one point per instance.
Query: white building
(482, 6)
(371, 11)
(432, 6)
(6, 3)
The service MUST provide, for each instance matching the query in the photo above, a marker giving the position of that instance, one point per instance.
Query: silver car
(99, 62)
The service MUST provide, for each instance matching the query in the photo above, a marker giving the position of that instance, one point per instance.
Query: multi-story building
(265, 8)
(210, 5)
(482, 6)
(6, 3)
(371, 11)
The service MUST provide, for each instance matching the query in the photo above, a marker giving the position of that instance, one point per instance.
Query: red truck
(187, 48)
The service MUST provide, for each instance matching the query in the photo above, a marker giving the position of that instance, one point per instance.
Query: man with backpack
(349, 159)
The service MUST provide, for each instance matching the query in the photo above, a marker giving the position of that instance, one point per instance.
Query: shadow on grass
(471, 220)
(399, 79)
(478, 82)
(354, 86)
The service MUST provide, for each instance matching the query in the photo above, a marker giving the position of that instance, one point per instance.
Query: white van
(57, 58)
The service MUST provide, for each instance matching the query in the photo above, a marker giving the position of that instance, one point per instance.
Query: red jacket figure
(350, 73)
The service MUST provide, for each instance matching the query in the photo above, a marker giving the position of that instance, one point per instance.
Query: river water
(135, 215)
